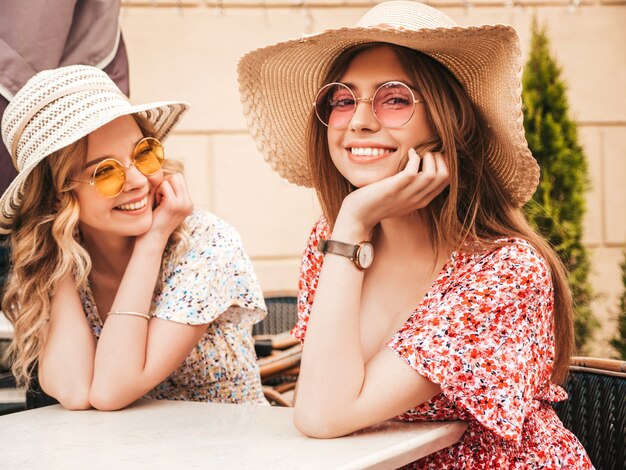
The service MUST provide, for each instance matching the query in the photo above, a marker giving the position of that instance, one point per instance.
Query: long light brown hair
(475, 207)
(45, 248)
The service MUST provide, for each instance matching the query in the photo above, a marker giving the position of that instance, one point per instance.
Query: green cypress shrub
(619, 341)
(557, 208)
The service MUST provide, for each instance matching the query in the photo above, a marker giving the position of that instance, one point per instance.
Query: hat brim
(159, 117)
(278, 84)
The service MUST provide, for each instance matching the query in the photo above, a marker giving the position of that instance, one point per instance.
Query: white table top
(172, 435)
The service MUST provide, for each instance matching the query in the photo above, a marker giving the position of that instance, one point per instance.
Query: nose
(134, 178)
(363, 118)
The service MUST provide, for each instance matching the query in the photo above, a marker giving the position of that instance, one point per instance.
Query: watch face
(366, 255)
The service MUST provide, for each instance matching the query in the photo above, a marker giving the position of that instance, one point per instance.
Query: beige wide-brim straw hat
(278, 85)
(56, 108)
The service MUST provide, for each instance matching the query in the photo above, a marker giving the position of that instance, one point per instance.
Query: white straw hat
(278, 85)
(56, 108)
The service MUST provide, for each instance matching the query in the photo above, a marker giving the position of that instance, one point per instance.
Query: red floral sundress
(483, 332)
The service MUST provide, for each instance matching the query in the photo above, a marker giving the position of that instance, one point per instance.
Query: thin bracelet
(135, 314)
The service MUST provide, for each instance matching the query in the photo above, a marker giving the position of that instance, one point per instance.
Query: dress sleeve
(309, 274)
(214, 274)
(486, 338)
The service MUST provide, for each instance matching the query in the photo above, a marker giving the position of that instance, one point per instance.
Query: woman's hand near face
(173, 206)
(408, 190)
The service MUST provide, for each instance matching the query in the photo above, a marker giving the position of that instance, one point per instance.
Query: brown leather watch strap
(338, 248)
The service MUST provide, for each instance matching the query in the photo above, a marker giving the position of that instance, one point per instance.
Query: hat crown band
(51, 99)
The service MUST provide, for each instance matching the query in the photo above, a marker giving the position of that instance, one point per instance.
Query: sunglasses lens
(394, 104)
(335, 105)
(149, 156)
(109, 178)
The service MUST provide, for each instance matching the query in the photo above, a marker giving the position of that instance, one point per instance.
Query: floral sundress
(484, 334)
(212, 283)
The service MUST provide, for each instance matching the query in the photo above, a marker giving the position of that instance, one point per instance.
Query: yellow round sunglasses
(109, 176)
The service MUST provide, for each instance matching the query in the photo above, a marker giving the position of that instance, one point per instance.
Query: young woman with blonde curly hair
(118, 289)
(424, 293)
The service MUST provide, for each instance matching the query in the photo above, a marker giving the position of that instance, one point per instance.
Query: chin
(141, 228)
(134, 228)
(367, 178)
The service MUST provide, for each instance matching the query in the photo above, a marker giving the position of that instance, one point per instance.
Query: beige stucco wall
(189, 49)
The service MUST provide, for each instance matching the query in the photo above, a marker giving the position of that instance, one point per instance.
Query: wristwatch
(361, 254)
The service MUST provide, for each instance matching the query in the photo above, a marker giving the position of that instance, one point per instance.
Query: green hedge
(619, 341)
(557, 208)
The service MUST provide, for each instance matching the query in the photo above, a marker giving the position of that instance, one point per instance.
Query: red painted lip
(367, 144)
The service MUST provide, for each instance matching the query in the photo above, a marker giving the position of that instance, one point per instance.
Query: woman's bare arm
(66, 361)
(338, 392)
(134, 355)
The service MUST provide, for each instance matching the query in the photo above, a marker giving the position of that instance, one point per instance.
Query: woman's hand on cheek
(173, 204)
(408, 190)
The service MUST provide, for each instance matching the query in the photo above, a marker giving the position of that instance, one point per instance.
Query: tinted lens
(335, 105)
(149, 156)
(109, 178)
(394, 104)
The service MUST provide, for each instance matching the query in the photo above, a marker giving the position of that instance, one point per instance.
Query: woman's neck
(408, 238)
(109, 254)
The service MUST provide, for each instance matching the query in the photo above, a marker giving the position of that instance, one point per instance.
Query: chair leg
(275, 397)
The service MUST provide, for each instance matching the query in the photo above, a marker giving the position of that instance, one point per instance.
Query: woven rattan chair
(282, 314)
(36, 397)
(279, 352)
(596, 409)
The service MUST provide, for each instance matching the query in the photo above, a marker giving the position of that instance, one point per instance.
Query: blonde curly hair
(45, 248)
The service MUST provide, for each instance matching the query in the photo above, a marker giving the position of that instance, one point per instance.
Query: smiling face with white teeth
(366, 151)
(130, 212)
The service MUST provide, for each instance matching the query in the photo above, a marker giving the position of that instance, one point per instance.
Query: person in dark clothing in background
(39, 35)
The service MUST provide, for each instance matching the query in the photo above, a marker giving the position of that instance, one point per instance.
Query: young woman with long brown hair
(424, 293)
(117, 288)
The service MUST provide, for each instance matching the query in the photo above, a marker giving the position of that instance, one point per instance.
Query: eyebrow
(96, 161)
(100, 159)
